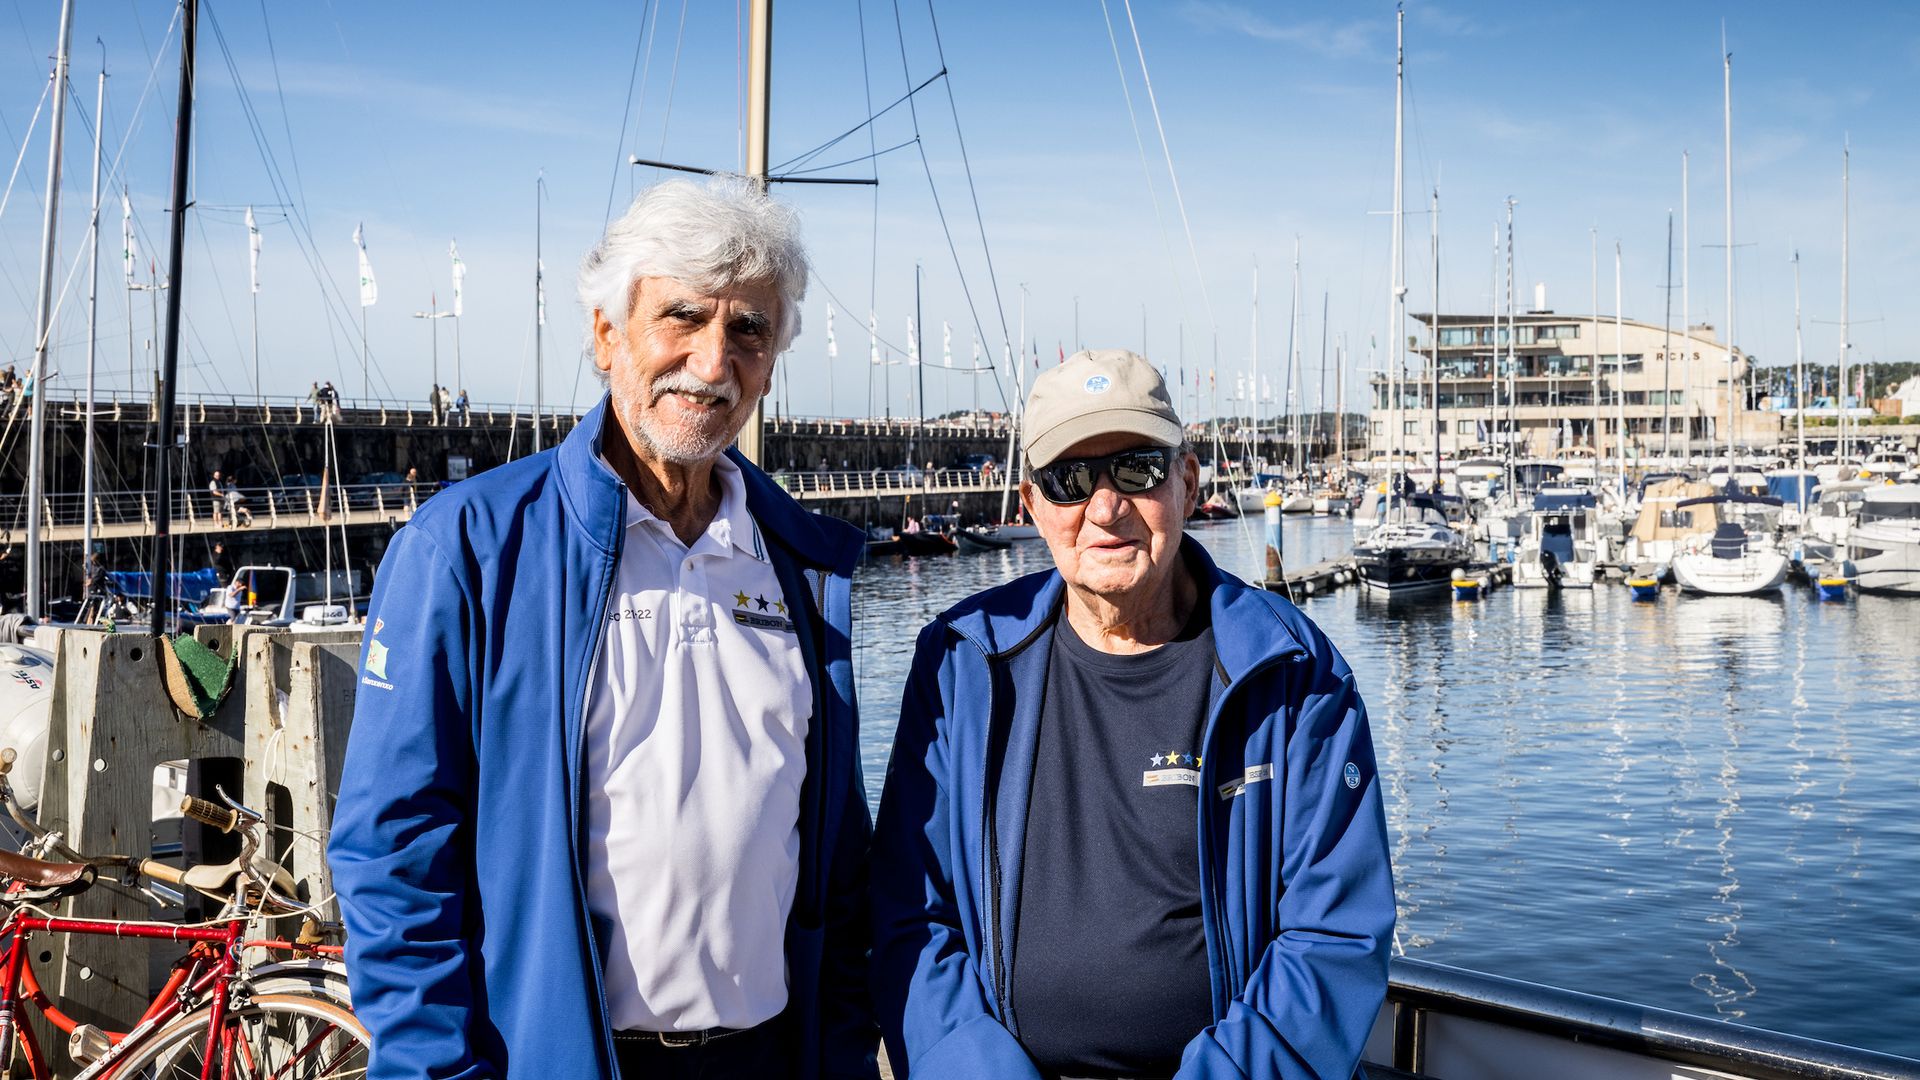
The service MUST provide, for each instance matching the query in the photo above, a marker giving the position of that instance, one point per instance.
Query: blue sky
(430, 122)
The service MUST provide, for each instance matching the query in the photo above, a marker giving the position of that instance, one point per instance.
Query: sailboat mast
(1686, 310)
(1619, 382)
(1253, 348)
(43, 323)
(1727, 111)
(1340, 400)
(1397, 318)
(759, 82)
(93, 324)
(1320, 393)
(1799, 387)
(1666, 353)
(1846, 165)
(1593, 325)
(1433, 364)
(170, 358)
(1293, 353)
(1512, 371)
(539, 319)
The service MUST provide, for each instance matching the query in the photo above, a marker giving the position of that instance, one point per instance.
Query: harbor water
(1705, 804)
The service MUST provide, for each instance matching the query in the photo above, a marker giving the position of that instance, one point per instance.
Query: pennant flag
(1239, 387)
(253, 250)
(976, 350)
(1266, 390)
(873, 340)
(459, 279)
(129, 253)
(1063, 351)
(369, 289)
(833, 347)
(946, 344)
(913, 344)
(540, 290)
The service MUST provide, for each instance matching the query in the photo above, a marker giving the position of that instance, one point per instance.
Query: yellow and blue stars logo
(1172, 768)
(761, 613)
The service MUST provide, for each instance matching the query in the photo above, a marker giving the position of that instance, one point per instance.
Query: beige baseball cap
(1097, 392)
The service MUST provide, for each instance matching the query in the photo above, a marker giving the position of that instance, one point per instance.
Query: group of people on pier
(602, 813)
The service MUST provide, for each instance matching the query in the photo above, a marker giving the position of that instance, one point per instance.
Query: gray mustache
(683, 383)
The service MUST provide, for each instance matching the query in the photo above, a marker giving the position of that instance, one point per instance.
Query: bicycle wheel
(283, 1036)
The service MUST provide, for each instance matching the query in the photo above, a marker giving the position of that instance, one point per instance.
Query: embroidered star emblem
(1186, 759)
(1199, 761)
(780, 606)
(762, 601)
(740, 599)
(1172, 757)
(1155, 760)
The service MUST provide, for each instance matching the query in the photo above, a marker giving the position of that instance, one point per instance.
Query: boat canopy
(1793, 487)
(1732, 498)
(1891, 493)
(189, 585)
(1661, 517)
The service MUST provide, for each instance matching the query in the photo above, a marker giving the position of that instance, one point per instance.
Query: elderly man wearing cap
(1132, 825)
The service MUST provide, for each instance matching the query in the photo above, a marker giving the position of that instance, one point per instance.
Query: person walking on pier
(313, 400)
(601, 814)
(1132, 825)
(218, 493)
(463, 405)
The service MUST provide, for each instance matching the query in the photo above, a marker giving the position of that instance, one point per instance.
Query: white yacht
(1740, 557)
(1885, 542)
(1560, 549)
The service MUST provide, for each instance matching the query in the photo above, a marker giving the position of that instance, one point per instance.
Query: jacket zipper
(579, 788)
(1209, 794)
(990, 848)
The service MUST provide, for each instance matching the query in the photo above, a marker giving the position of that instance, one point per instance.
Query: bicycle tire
(290, 1036)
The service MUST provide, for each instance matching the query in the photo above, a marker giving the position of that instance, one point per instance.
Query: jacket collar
(1247, 625)
(596, 497)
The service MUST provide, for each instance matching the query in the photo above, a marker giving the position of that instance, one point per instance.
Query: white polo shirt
(696, 751)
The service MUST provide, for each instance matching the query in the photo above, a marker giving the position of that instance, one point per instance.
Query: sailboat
(1416, 549)
(1736, 560)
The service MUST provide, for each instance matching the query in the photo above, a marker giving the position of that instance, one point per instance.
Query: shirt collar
(732, 527)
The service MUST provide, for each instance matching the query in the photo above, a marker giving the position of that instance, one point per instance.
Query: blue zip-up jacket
(458, 841)
(1296, 887)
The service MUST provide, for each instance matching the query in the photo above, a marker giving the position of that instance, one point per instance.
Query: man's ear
(606, 341)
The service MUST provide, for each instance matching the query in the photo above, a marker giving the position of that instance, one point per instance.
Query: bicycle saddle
(217, 881)
(43, 880)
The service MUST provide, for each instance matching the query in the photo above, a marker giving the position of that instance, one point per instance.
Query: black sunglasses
(1069, 481)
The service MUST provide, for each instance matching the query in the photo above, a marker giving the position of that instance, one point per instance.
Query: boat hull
(1750, 574)
(1405, 573)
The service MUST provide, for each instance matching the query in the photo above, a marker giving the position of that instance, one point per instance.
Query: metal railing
(1424, 997)
(132, 513)
(877, 482)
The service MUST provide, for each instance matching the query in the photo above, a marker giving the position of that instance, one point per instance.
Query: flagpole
(254, 298)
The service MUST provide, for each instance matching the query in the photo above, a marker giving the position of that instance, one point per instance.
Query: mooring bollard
(1274, 546)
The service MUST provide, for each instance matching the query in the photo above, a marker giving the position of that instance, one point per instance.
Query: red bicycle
(216, 1016)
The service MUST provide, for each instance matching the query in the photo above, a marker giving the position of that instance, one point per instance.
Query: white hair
(712, 236)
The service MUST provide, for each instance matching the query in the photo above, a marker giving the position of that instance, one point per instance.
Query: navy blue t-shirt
(1109, 972)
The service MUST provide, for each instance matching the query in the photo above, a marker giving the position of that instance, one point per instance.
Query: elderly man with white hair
(601, 814)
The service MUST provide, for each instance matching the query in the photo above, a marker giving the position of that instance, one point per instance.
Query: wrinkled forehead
(656, 294)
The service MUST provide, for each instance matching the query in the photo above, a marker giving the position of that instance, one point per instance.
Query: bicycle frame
(217, 980)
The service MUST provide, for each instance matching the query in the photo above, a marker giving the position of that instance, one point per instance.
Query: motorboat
(1739, 558)
(982, 538)
(1478, 478)
(1884, 544)
(1836, 506)
(1884, 466)
(1561, 547)
(1415, 551)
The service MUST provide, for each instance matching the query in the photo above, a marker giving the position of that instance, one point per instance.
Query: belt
(680, 1040)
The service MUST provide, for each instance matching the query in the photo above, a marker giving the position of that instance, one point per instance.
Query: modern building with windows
(1537, 392)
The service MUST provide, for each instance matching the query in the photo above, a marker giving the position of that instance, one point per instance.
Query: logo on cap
(1098, 384)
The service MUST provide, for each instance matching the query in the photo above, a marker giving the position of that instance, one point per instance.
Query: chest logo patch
(1170, 769)
(761, 612)
(1353, 775)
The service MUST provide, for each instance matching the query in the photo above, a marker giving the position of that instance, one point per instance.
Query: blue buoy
(1832, 588)
(1644, 588)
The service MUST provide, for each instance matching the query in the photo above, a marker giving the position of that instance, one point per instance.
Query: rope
(1172, 175)
(1153, 194)
(626, 114)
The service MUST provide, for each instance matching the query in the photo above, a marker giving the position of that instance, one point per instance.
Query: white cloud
(1319, 35)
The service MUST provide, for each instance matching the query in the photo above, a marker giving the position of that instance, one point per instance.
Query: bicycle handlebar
(160, 871)
(207, 813)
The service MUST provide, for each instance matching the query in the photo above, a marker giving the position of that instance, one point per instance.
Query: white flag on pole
(540, 289)
(913, 344)
(369, 289)
(833, 347)
(253, 250)
(459, 279)
(946, 344)
(129, 253)
(873, 340)
(976, 351)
